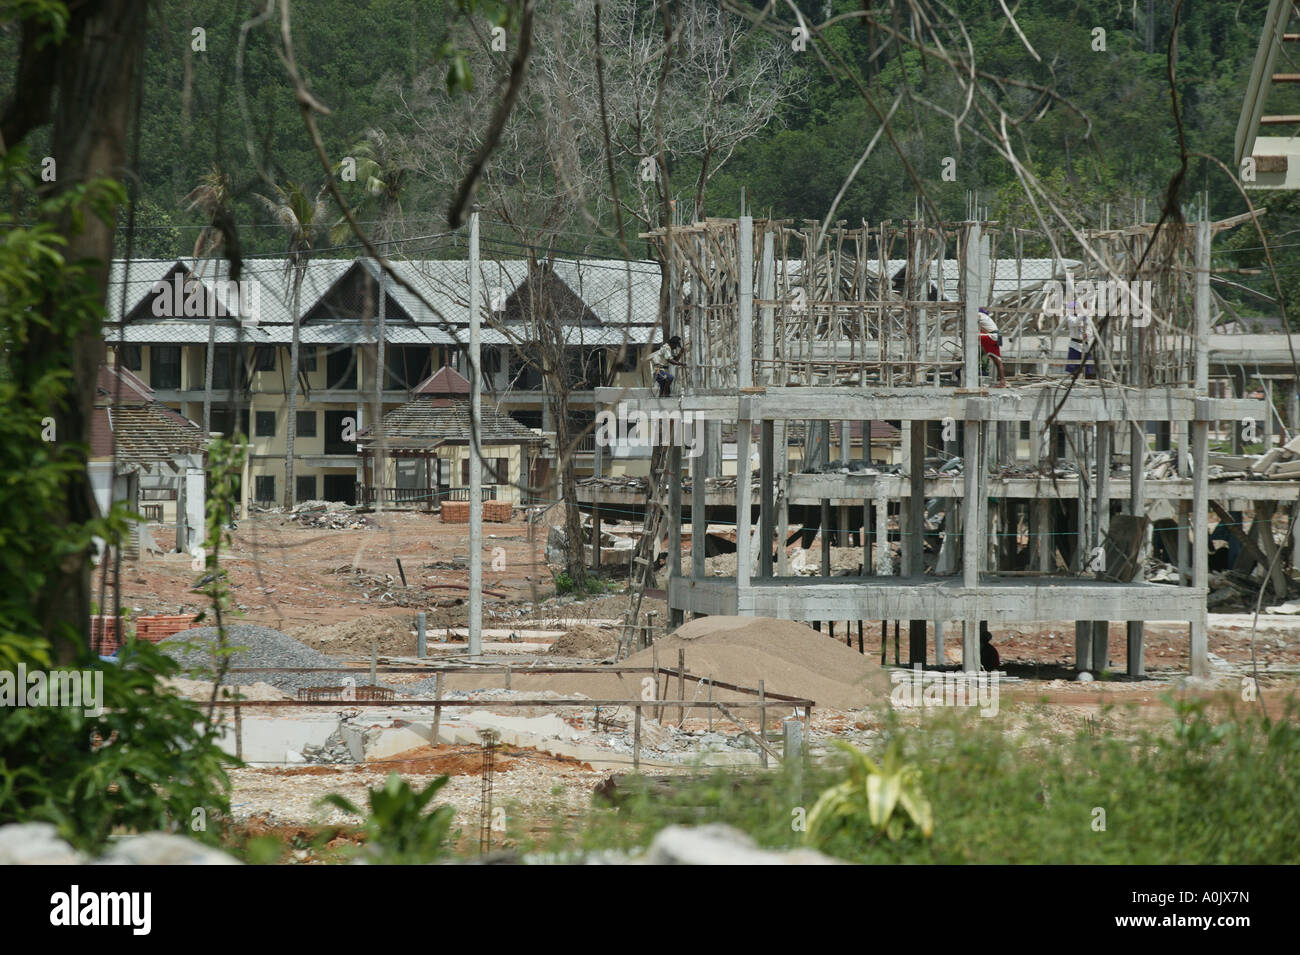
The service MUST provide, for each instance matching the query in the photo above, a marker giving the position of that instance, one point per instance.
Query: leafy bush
(1214, 785)
(147, 762)
(867, 798)
(398, 830)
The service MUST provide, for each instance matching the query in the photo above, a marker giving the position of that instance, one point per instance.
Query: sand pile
(352, 638)
(591, 643)
(791, 659)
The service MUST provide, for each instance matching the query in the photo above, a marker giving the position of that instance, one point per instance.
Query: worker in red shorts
(989, 344)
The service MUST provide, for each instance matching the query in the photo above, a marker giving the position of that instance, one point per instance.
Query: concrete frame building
(775, 338)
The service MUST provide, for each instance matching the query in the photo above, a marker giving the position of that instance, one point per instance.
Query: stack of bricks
(104, 635)
(158, 628)
(457, 512)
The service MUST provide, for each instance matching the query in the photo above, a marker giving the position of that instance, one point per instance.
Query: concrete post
(972, 538)
(766, 499)
(792, 735)
(676, 616)
(1200, 429)
(745, 317)
(767, 292)
(1137, 507)
(915, 549)
(743, 472)
(420, 634)
(1101, 628)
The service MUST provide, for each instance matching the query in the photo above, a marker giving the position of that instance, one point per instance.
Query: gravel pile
(262, 647)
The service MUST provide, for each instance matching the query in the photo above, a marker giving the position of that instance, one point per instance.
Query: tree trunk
(574, 547)
(93, 84)
(291, 422)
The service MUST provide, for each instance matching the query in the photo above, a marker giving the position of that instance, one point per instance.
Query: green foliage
(147, 759)
(1214, 786)
(146, 762)
(399, 831)
(868, 797)
(591, 584)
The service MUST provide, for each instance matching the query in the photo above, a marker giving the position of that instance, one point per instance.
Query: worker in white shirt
(661, 363)
(1082, 332)
(989, 344)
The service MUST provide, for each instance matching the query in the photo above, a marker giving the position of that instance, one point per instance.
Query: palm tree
(302, 218)
(211, 197)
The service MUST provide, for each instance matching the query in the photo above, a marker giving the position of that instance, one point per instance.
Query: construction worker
(989, 657)
(662, 361)
(1082, 332)
(991, 345)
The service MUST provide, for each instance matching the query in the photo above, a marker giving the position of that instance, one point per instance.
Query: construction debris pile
(331, 515)
(1279, 464)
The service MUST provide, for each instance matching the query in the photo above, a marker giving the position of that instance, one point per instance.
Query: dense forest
(1106, 138)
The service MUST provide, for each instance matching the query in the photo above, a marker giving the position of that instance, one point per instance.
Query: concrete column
(676, 617)
(781, 469)
(745, 304)
(743, 474)
(884, 565)
(767, 292)
(971, 540)
(1101, 628)
(915, 549)
(1200, 432)
(766, 508)
(699, 512)
(1137, 507)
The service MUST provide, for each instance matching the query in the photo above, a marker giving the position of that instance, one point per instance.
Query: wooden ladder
(643, 558)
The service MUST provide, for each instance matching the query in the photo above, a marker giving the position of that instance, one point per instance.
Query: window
(131, 358)
(341, 369)
(529, 419)
(408, 365)
(306, 357)
(306, 424)
(266, 424)
(165, 367)
(495, 471)
(223, 360)
(305, 487)
(264, 358)
(264, 488)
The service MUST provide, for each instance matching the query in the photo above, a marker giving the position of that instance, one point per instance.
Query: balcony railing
(420, 495)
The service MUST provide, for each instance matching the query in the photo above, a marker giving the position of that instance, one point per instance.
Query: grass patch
(1211, 786)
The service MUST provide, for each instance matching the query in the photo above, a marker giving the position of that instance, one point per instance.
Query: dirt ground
(339, 590)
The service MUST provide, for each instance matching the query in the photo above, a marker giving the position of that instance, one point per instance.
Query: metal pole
(475, 459)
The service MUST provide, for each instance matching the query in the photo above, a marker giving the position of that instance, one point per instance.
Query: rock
(654, 735)
(556, 543)
(35, 843)
(163, 848)
(1084, 677)
(718, 844)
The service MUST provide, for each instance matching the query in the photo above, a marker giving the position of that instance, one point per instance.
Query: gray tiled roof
(429, 418)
